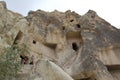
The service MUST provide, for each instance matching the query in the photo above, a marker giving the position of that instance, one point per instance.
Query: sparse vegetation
(10, 62)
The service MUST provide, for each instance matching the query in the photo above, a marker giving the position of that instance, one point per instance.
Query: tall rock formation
(64, 45)
(10, 24)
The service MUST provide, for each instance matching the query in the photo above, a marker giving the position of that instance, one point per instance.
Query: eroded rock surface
(65, 45)
(10, 24)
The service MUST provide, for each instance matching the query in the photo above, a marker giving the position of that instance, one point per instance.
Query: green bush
(10, 62)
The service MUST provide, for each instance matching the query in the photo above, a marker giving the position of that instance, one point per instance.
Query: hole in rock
(63, 28)
(34, 42)
(24, 59)
(71, 20)
(78, 25)
(74, 46)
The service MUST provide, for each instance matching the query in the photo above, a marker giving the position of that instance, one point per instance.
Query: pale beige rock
(84, 47)
(10, 24)
(50, 71)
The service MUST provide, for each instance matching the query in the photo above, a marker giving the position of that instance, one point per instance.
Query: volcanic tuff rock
(65, 45)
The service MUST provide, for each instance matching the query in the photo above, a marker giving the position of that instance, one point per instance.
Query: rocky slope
(63, 45)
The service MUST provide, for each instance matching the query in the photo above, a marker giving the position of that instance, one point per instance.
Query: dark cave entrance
(78, 25)
(74, 40)
(74, 46)
(34, 42)
(24, 59)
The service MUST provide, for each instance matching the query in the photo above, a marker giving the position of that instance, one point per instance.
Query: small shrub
(10, 62)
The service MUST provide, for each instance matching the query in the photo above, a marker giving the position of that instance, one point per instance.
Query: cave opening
(24, 59)
(78, 25)
(74, 46)
(63, 28)
(34, 42)
(18, 37)
(71, 20)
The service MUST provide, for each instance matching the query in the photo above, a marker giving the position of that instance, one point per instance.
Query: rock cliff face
(63, 45)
